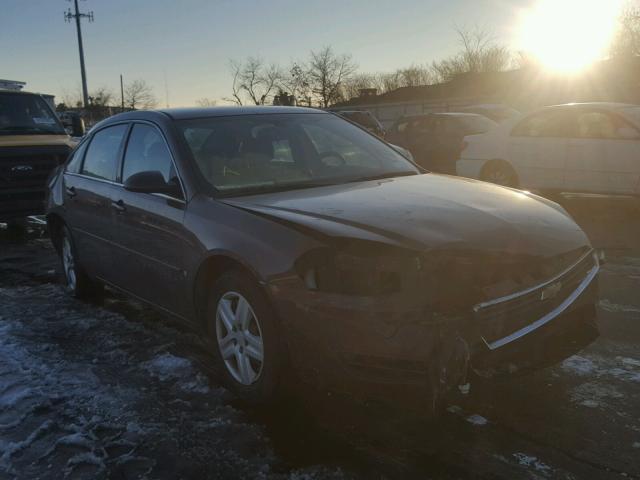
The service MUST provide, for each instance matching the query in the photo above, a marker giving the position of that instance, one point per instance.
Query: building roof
(609, 80)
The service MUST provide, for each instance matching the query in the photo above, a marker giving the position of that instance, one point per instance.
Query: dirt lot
(118, 391)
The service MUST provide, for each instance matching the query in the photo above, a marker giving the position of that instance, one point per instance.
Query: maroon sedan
(300, 243)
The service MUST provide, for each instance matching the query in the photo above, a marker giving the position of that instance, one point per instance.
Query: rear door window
(555, 123)
(103, 153)
(74, 163)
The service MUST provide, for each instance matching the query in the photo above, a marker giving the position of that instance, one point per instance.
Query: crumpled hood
(426, 212)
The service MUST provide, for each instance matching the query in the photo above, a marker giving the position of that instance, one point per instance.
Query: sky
(182, 48)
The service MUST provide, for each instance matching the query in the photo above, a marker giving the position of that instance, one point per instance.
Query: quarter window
(74, 163)
(147, 151)
(101, 160)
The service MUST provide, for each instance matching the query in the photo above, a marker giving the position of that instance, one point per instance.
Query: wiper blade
(365, 178)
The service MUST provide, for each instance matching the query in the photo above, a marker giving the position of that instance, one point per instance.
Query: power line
(77, 16)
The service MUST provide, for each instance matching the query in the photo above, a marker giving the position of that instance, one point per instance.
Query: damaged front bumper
(393, 349)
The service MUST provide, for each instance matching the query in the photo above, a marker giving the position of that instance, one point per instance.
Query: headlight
(356, 274)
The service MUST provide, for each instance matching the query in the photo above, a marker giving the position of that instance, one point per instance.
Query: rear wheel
(78, 283)
(500, 173)
(245, 341)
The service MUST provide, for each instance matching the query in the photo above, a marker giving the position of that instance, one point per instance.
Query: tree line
(327, 77)
(138, 95)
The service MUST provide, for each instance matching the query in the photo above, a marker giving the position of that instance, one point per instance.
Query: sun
(568, 35)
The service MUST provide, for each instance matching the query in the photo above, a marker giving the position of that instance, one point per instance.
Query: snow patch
(477, 420)
(611, 307)
(595, 394)
(621, 368)
(530, 461)
(579, 365)
(167, 367)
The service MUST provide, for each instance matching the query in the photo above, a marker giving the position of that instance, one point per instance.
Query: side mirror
(151, 182)
(77, 126)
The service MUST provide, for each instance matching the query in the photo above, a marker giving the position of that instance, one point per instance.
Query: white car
(585, 148)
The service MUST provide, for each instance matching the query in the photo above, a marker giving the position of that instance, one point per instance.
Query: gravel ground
(118, 391)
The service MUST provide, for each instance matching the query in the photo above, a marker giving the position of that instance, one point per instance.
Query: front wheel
(244, 335)
(78, 283)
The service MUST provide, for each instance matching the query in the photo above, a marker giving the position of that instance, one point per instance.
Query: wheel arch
(211, 268)
(55, 224)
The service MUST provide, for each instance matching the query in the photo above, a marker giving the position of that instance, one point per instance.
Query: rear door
(150, 237)
(90, 183)
(538, 148)
(604, 155)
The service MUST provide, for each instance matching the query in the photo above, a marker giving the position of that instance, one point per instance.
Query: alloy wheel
(239, 338)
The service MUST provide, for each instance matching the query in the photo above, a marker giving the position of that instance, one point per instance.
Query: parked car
(364, 119)
(588, 147)
(435, 139)
(32, 143)
(296, 241)
(495, 111)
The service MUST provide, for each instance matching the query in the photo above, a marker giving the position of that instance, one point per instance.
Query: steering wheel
(332, 159)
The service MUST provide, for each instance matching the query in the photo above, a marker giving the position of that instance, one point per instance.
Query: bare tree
(479, 54)
(296, 82)
(139, 95)
(101, 97)
(414, 76)
(327, 74)
(254, 81)
(206, 102)
(360, 81)
(626, 42)
(72, 98)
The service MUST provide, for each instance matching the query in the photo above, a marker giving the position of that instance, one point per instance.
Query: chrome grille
(502, 317)
(24, 172)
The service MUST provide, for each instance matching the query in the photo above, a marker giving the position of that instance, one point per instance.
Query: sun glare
(568, 35)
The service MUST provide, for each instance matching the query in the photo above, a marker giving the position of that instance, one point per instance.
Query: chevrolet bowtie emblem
(551, 291)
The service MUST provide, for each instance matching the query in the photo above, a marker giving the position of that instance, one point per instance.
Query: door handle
(71, 191)
(119, 206)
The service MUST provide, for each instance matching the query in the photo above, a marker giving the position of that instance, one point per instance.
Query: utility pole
(122, 92)
(77, 16)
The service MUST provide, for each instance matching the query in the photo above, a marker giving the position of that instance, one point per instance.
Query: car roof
(203, 112)
(604, 105)
(352, 111)
(448, 114)
(18, 92)
(208, 112)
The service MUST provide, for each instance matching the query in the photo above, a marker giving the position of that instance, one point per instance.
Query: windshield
(633, 113)
(253, 153)
(27, 115)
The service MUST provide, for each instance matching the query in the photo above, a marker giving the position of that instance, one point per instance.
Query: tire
(244, 340)
(78, 283)
(500, 173)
